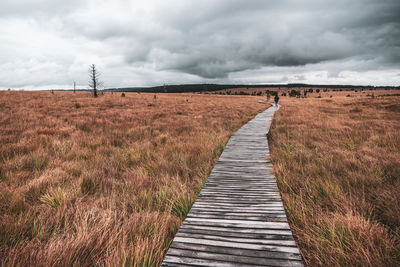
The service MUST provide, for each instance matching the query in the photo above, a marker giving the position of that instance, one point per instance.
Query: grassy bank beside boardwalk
(105, 181)
(337, 161)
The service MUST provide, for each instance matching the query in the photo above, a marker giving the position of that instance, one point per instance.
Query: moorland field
(105, 181)
(108, 180)
(337, 162)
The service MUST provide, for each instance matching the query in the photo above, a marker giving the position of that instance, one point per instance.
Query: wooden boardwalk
(238, 218)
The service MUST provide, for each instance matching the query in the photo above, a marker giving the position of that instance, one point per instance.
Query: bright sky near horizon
(50, 43)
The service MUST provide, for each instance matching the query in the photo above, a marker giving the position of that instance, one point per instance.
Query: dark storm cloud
(214, 39)
(242, 35)
(191, 41)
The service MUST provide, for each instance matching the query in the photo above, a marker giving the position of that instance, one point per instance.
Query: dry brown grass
(337, 162)
(105, 181)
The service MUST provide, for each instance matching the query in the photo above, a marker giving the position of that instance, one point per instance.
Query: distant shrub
(150, 104)
(77, 105)
(123, 95)
(348, 95)
(294, 93)
(317, 91)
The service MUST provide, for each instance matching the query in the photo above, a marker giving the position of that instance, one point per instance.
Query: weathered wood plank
(199, 262)
(238, 218)
(233, 205)
(246, 211)
(250, 218)
(238, 210)
(241, 223)
(237, 230)
(258, 261)
(237, 234)
(246, 240)
(237, 251)
(229, 244)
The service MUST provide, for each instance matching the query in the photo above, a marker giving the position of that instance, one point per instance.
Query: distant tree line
(187, 88)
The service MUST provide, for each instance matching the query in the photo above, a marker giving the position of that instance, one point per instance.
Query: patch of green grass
(182, 205)
(53, 198)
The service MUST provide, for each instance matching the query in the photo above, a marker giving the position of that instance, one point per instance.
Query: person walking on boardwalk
(276, 99)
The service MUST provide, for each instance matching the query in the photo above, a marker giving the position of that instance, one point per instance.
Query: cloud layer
(50, 43)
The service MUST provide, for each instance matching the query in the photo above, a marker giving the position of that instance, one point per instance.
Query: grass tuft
(53, 198)
(181, 206)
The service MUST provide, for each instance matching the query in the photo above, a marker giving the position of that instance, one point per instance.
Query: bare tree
(94, 81)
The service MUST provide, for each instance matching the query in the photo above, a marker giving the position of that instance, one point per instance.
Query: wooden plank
(239, 211)
(179, 261)
(286, 236)
(237, 245)
(237, 215)
(233, 213)
(276, 218)
(233, 197)
(246, 240)
(254, 205)
(239, 201)
(247, 211)
(238, 218)
(257, 261)
(239, 223)
(237, 230)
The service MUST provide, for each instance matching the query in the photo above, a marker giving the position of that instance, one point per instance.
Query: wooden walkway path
(238, 218)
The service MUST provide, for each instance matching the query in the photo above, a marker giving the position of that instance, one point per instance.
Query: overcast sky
(51, 43)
